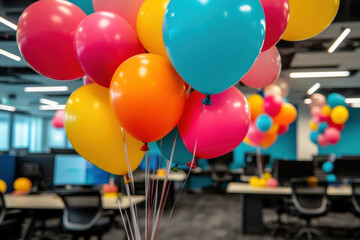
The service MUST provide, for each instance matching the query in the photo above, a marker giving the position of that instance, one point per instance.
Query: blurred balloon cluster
(266, 181)
(138, 58)
(270, 115)
(328, 118)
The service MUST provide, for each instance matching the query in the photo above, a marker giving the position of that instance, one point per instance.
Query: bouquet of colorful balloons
(328, 118)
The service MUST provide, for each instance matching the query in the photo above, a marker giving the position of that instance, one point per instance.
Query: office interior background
(207, 208)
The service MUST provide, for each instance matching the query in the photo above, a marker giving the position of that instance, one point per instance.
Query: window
(21, 130)
(4, 131)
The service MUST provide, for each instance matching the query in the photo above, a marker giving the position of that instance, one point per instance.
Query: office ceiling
(308, 55)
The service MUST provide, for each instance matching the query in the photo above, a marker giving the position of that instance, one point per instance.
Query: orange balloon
(148, 96)
(274, 128)
(269, 140)
(287, 114)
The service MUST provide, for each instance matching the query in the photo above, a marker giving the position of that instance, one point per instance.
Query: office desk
(251, 200)
(173, 176)
(53, 201)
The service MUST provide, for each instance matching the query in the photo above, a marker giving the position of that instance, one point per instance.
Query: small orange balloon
(287, 114)
(148, 96)
(269, 140)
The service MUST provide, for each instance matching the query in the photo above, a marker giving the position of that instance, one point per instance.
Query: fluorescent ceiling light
(7, 108)
(47, 89)
(319, 74)
(339, 40)
(313, 89)
(10, 55)
(352, 100)
(50, 107)
(48, 102)
(307, 100)
(8, 23)
(355, 105)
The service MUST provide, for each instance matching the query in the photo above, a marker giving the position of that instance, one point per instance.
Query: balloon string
(122, 217)
(133, 214)
(259, 162)
(146, 196)
(162, 210)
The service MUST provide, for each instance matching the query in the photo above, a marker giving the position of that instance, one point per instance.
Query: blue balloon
(328, 167)
(335, 99)
(85, 5)
(213, 43)
(322, 127)
(263, 122)
(331, 178)
(181, 154)
(314, 136)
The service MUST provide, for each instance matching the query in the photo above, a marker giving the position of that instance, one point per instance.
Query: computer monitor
(285, 170)
(347, 168)
(318, 161)
(7, 170)
(251, 168)
(350, 157)
(75, 170)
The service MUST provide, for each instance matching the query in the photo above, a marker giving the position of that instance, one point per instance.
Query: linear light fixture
(319, 74)
(10, 55)
(307, 100)
(8, 23)
(355, 105)
(339, 40)
(47, 89)
(48, 102)
(52, 107)
(313, 89)
(7, 108)
(352, 100)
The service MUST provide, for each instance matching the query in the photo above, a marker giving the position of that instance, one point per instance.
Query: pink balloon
(272, 89)
(222, 126)
(283, 129)
(127, 9)
(315, 120)
(272, 104)
(265, 70)
(45, 38)
(322, 141)
(315, 111)
(58, 120)
(318, 100)
(87, 80)
(332, 135)
(103, 40)
(272, 182)
(254, 135)
(276, 19)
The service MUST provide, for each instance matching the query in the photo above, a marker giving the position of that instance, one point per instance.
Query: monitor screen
(284, 170)
(7, 170)
(347, 168)
(251, 163)
(75, 170)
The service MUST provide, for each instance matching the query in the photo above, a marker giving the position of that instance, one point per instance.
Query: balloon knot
(175, 168)
(127, 179)
(145, 147)
(207, 100)
(193, 163)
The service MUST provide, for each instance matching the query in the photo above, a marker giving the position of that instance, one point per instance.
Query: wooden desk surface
(173, 176)
(53, 201)
(244, 188)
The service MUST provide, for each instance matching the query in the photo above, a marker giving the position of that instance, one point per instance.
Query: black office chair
(309, 200)
(355, 199)
(10, 223)
(220, 172)
(83, 215)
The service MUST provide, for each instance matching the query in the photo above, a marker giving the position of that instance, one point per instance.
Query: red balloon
(276, 19)
(283, 129)
(58, 120)
(272, 105)
(332, 135)
(339, 127)
(104, 40)
(265, 70)
(45, 37)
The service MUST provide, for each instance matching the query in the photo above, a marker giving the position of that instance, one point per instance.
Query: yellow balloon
(3, 186)
(308, 18)
(22, 184)
(253, 181)
(262, 182)
(313, 126)
(326, 110)
(149, 25)
(274, 129)
(267, 176)
(339, 115)
(95, 133)
(256, 103)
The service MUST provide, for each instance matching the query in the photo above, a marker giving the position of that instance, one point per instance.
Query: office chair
(309, 201)
(10, 223)
(220, 172)
(355, 199)
(83, 215)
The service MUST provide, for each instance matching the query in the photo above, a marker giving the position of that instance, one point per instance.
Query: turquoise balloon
(314, 136)
(85, 5)
(263, 122)
(213, 43)
(331, 178)
(322, 127)
(328, 167)
(181, 154)
(335, 99)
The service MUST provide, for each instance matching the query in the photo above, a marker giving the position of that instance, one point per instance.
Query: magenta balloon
(127, 9)
(58, 120)
(339, 127)
(283, 129)
(316, 111)
(322, 141)
(332, 135)
(87, 80)
(272, 105)
(276, 19)
(265, 70)
(254, 135)
(45, 38)
(103, 40)
(222, 126)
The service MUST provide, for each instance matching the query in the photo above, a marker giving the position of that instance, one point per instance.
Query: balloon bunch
(270, 117)
(266, 181)
(328, 118)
